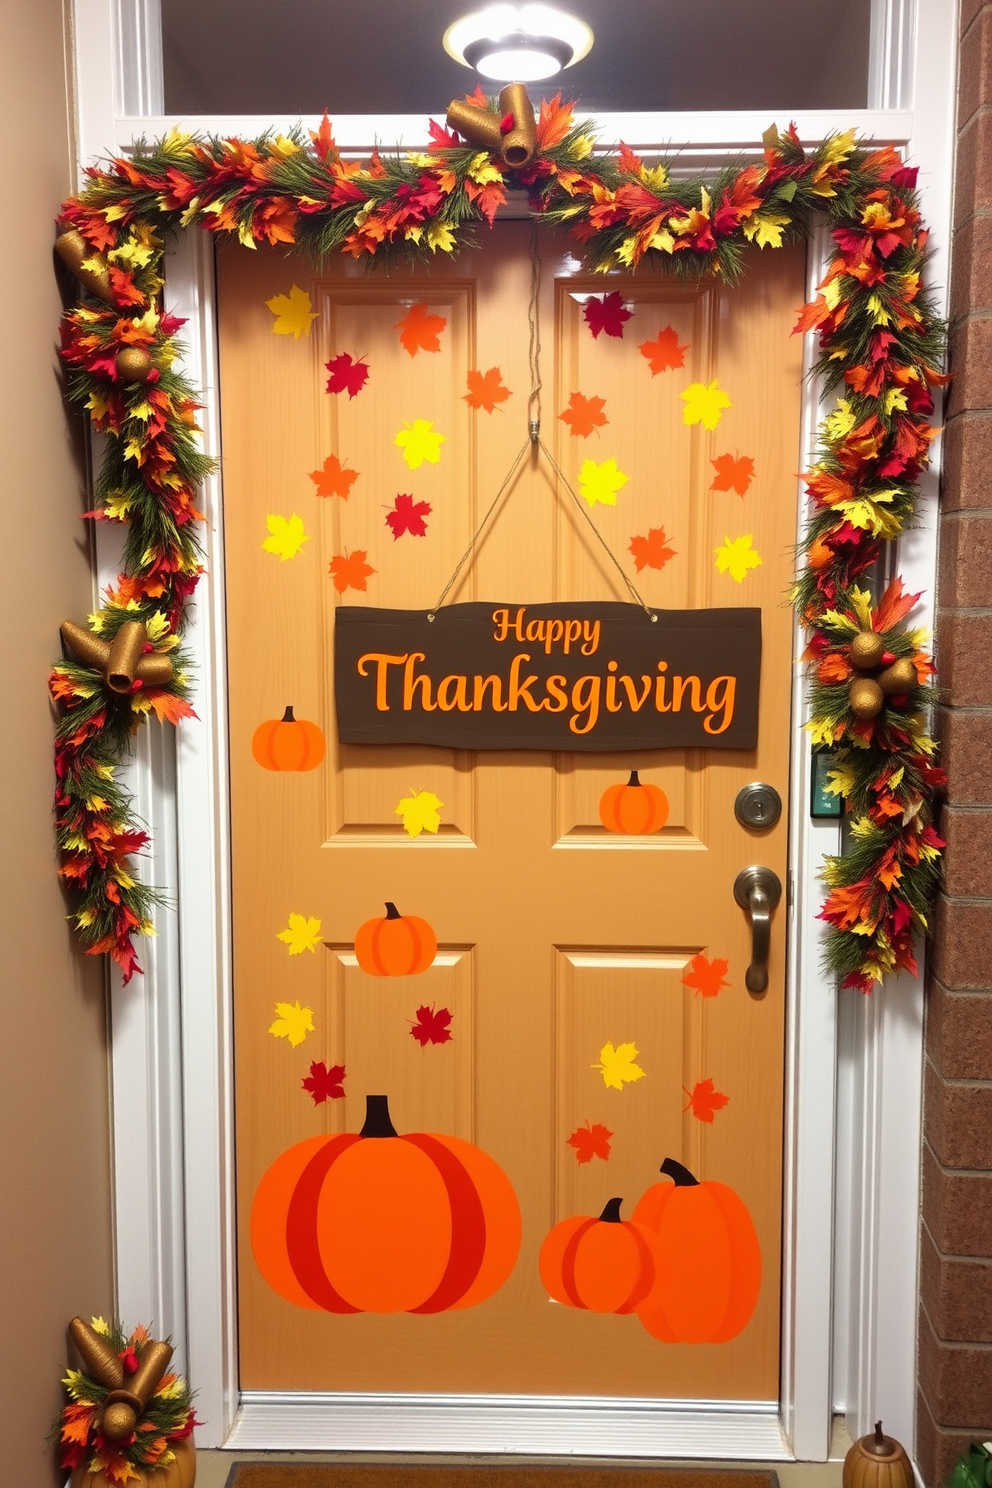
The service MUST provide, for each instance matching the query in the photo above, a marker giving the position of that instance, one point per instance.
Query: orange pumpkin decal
(707, 1255)
(288, 743)
(604, 1264)
(377, 1222)
(633, 808)
(397, 945)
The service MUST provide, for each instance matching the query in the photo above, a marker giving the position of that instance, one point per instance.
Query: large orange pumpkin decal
(603, 1264)
(396, 945)
(707, 1257)
(288, 743)
(376, 1222)
(634, 808)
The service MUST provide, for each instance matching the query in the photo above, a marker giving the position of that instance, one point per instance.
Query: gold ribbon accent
(483, 126)
(121, 660)
(86, 263)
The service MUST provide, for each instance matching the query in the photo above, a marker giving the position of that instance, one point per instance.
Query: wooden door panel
(370, 1035)
(582, 780)
(555, 935)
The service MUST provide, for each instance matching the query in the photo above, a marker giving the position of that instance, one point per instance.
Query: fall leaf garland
(880, 343)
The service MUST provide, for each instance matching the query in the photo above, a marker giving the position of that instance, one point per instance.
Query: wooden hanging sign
(586, 677)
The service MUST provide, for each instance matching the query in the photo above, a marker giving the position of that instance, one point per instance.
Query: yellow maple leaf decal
(617, 1065)
(294, 315)
(419, 443)
(301, 934)
(704, 403)
(419, 811)
(292, 1022)
(737, 557)
(601, 482)
(286, 536)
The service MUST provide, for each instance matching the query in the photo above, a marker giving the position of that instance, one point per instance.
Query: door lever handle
(757, 890)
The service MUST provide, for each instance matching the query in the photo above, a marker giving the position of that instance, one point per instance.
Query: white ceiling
(284, 57)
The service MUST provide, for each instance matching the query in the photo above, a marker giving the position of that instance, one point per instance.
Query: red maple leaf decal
(704, 1100)
(485, 389)
(408, 516)
(324, 1083)
(420, 331)
(732, 474)
(334, 479)
(606, 314)
(706, 977)
(348, 374)
(431, 1027)
(350, 572)
(665, 353)
(650, 551)
(590, 1141)
(583, 414)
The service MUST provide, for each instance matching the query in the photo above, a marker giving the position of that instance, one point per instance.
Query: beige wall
(55, 1217)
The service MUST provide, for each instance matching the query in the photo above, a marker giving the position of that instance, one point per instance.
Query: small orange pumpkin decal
(288, 743)
(634, 808)
(707, 1255)
(397, 945)
(372, 1221)
(604, 1264)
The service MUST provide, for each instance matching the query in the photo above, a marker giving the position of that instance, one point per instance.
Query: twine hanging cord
(534, 439)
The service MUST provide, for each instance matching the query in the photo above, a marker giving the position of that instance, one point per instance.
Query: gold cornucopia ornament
(129, 1421)
(880, 674)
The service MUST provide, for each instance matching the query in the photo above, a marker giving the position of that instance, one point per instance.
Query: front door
(586, 1016)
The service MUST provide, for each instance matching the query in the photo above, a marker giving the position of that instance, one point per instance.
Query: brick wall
(955, 1348)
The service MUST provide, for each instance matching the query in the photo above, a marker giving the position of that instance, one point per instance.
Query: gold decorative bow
(121, 660)
(482, 127)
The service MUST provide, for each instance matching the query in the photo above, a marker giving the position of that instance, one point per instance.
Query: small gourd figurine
(877, 1461)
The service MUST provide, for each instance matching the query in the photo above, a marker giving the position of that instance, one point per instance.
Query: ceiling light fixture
(518, 43)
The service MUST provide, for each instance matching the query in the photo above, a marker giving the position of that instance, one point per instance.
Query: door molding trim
(853, 1092)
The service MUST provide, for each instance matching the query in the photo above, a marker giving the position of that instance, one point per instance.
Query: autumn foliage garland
(880, 346)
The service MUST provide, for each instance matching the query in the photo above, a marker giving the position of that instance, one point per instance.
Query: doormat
(336, 1475)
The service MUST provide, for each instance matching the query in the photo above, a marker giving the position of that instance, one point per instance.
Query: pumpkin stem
(288, 716)
(611, 1212)
(634, 778)
(683, 1178)
(392, 913)
(377, 1119)
(878, 1445)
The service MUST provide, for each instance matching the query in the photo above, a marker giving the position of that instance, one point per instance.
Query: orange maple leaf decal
(334, 479)
(704, 1100)
(665, 353)
(590, 1141)
(583, 414)
(650, 551)
(706, 977)
(732, 474)
(350, 572)
(419, 330)
(485, 389)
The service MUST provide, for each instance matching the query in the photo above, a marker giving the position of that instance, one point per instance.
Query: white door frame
(854, 1065)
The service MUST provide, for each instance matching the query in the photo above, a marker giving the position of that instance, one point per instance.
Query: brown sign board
(586, 677)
